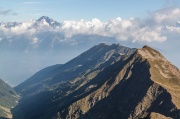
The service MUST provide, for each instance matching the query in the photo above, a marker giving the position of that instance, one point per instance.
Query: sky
(61, 10)
(133, 23)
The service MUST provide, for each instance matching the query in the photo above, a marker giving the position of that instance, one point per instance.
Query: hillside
(8, 99)
(95, 59)
(107, 81)
(39, 89)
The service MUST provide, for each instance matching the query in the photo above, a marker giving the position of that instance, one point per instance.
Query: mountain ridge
(122, 82)
(22, 42)
(169, 74)
(136, 113)
(32, 38)
(85, 58)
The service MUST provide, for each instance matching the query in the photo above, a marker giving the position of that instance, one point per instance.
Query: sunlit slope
(107, 81)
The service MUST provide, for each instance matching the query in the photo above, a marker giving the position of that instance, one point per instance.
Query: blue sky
(60, 10)
(133, 23)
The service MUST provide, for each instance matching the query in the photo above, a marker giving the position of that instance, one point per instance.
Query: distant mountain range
(35, 44)
(48, 34)
(105, 82)
(44, 34)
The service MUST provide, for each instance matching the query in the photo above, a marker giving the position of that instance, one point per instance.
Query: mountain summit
(105, 82)
(45, 19)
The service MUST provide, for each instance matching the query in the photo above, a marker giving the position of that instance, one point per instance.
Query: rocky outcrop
(107, 82)
(131, 91)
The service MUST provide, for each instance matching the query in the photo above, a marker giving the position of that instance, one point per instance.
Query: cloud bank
(154, 28)
(130, 29)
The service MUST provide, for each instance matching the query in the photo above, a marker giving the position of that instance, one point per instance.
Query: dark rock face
(107, 81)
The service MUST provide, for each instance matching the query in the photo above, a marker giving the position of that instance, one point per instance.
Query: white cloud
(147, 35)
(21, 28)
(35, 40)
(165, 16)
(154, 28)
(173, 29)
(82, 27)
(128, 29)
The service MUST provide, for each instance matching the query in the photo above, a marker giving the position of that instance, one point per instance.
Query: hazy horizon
(72, 27)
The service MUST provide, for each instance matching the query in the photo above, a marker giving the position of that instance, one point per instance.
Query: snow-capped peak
(47, 21)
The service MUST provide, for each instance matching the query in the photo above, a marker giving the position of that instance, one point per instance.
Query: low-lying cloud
(130, 29)
(153, 28)
(35, 44)
(165, 16)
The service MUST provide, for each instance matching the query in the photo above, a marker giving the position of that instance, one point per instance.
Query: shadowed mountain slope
(8, 99)
(107, 81)
(95, 58)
